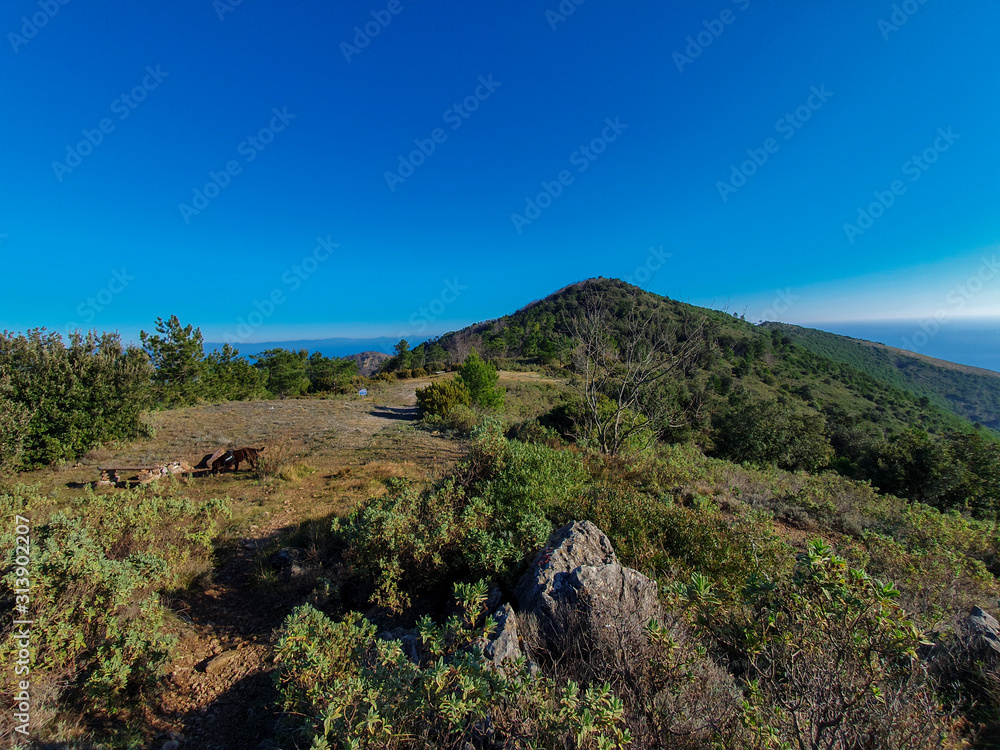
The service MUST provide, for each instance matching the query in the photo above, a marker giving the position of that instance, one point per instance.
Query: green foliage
(286, 371)
(14, 421)
(481, 378)
(330, 374)
(409, 541)
(765, 432)
(73, 396)
(226, 376)
(831, 656)
(441, 396)
(176, 352)
(971, 393)
(357, 691)
(961, 470)
(98, 568)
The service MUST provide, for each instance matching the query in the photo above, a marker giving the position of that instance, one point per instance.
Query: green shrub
(88, 391)
(98, 568)
(14, 421)
(766, 432)
(442, 396)
(481, 378)
(408, 542)
(462, 418)
(831, 659)
(357, 691)
(419, 372)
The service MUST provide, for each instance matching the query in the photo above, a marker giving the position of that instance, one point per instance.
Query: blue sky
(344, 194)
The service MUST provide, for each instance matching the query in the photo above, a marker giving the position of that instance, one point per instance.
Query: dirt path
(219, 693)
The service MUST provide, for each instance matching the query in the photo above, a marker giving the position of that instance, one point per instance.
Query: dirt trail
(219, 693)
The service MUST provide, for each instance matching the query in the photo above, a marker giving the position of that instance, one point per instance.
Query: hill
(970, 392)
(735, 357)
(369, 362)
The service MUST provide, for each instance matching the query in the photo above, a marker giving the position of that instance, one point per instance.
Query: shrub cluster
(58, 400)
(357, 691)
(98, 570)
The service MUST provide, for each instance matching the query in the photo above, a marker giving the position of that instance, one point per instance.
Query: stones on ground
(504, 644)
(218, 663)
(287, 561)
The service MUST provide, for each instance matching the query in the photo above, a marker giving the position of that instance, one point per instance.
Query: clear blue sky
(111, 232)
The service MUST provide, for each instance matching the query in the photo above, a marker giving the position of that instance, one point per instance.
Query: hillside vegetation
(817, 534)
(970, 392)
(753, 394)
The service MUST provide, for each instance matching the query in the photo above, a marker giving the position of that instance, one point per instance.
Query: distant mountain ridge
(332, 347)
(971, 392)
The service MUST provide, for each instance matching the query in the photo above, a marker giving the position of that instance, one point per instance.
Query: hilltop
(842, 380)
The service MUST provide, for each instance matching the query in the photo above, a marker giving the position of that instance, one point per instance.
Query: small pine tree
(176, 353)
(481, 379)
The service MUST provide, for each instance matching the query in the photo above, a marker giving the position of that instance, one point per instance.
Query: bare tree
(623, 363)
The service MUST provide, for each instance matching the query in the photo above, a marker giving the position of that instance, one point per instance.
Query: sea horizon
(966, 341)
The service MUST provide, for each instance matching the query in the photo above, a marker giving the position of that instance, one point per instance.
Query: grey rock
(408, 641)
(984, 629)
(285, 558)
(577, 581)
(504, 644)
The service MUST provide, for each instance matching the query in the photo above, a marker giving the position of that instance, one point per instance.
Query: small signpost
(363, 392)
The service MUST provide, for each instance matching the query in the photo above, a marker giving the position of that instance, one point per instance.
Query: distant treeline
(59, 398)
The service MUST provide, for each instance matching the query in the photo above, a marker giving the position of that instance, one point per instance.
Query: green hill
(736, 357)
(970, 392)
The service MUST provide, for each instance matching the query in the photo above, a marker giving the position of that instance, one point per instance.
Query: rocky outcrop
(576, 583)
(369, 362)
